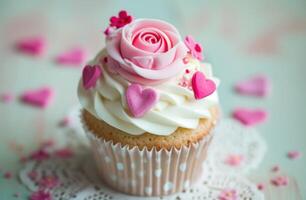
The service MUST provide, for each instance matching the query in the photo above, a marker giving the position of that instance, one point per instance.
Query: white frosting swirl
(176, 106)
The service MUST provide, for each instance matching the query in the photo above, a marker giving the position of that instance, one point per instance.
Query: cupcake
(149, 107)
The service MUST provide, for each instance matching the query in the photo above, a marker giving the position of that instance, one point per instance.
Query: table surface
(226, 29)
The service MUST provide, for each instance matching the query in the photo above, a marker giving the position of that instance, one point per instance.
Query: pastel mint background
(225, 28)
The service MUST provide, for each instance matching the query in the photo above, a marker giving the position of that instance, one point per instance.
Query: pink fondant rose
(146, 51)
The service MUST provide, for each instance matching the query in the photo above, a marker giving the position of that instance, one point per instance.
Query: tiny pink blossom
(234, 160)
(280, 181)
(41, 195)
(294, 155)
(121, 20)
(194, 47)
(49, 182)
(40, 155)
(6, 97)
(228, 195)
(64, 153)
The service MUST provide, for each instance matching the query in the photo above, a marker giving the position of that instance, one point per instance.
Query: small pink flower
(64, 153)
(194, 47)
(39, 155)
(121, 20)
(294, 155)
(49, 182)
(280, 181)
(41, 195)
(228, 195)
(234, 160)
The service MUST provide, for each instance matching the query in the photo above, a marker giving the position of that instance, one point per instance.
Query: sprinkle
(6, 97)
(280, 181)
(40, 195)
(49, 182)
(8, 175)
(64, 153)
(234, 160)
(185, 60)
(258, 85)
(121, 20)
(228, 195)
(41, 97)
(40, 155)
(74, 56)
(187, 71)
(294, 155)
(275, 168)
(33, 46)
(260, 186)
(250, 117)
(194, 48)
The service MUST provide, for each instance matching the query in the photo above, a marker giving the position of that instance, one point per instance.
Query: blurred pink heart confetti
(250, 117)
(258, 85)
(41, 97)
(294, 154)
(33, 46)
(260, 186)
(74, 57)
(6, 97)
(234, 160)
(280, 181)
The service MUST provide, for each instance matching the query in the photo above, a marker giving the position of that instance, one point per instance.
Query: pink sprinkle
(33, 46)
(250, 117)
(227, 194)
(8, 175)
(185, 60)
(65, 122)
(32, 175)
(258, 85)
(187, 71)
(74, 56)
(41, 97)
(234, 160)
(6, 97)
(280, 181)
(294, 155)
(64, 153)
(41, 195)
(40, 155)
(275, 168)
(49, 182)
(260, 186)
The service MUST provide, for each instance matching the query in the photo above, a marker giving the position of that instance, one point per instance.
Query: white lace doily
(78, 177)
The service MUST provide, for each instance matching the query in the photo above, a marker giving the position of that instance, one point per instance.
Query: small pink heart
(250, 117)
(294, 154)
(258, 85)
(140, 100)
(34, 46)
(40, 98)
(201, 86)
(91, 74)
(72, 57)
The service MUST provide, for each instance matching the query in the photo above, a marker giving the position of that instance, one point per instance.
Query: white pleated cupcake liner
(148, 172)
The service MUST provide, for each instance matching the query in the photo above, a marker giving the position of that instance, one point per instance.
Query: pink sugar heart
(91, 74)
(250, 117)
(34, 46)
(258, 85)
(72, 57)
(40, 97)
(140, 100)
(201, 86)
(294, 155)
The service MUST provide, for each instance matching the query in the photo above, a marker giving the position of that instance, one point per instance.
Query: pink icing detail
(294, 155)
(275, 168)
(227, 194)
(64, 153)
(194, 47)
(72, 57)
(49, 182)
(109, 30)
(121, 20)
(260, 186)
(280, 181)
(40, 97)
(91, 74)
(140, 100)
(40, 195)
(39, 155)
(258, 85)
(250, 117)
(8, 175)
(234, 160)
(155, 40)
(201, 86)
(34, 46)
(6, 97)
(187, 71)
